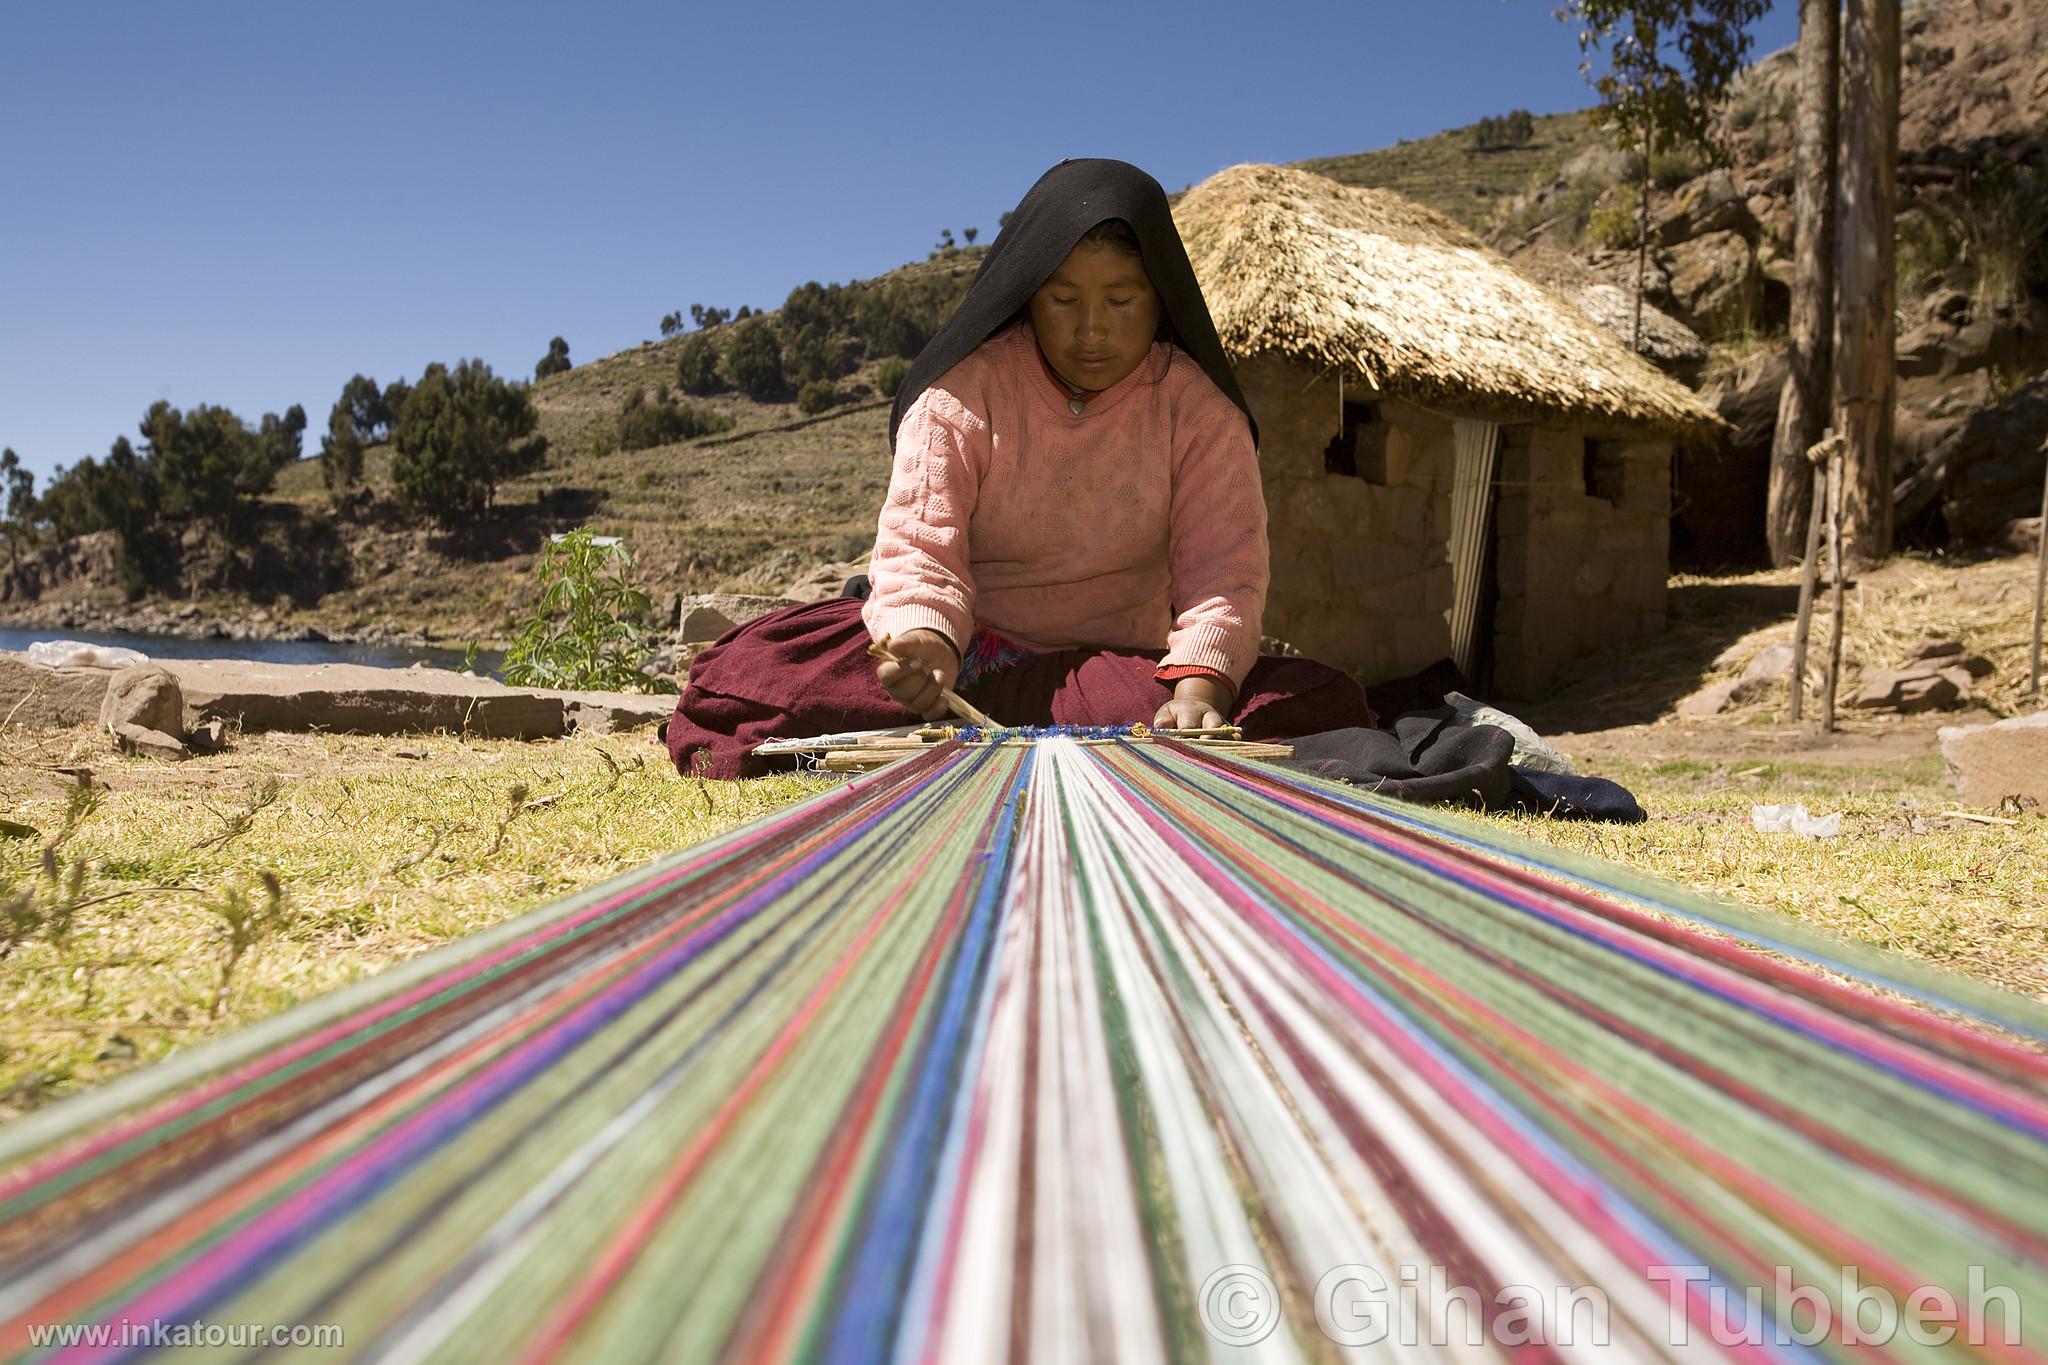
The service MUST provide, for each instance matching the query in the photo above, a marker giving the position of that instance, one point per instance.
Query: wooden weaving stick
(955, 703)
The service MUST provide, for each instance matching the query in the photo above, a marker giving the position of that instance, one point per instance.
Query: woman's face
(1096, 316)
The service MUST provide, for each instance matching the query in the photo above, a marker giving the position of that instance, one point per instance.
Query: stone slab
(35, 698)
(604, 713)
(347, 698)
(360, 699)
(1991, 762)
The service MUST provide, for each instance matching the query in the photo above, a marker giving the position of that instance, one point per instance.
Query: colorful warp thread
(1069, 1053)
(1010, 734)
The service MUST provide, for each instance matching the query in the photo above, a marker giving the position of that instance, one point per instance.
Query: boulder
(1665, 342)
(1983, 343)
(147, 742)
(1934, 647)
(825, 582)
(1716, 288)
(1991, 762)
(1948, 305)
(33, 697)
(1773, 663)
(1925, 351)
(703, 617)
(1715, 698)
(1618, 268)
(1907, 690)
(146, 696)
(1704, 205)
(1993, 474)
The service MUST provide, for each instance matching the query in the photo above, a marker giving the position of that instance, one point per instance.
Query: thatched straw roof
(1408, 302)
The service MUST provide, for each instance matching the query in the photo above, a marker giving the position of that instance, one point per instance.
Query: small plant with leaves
(245, 922)
(585, 631)
(820, 395)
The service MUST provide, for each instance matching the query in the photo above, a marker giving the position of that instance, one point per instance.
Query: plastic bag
(1793, 819)
(78, 654)
(1530, 749)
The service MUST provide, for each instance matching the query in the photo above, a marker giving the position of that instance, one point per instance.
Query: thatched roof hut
(1457, 461)
(1410, 302)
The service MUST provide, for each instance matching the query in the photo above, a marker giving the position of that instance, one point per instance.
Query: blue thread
(974, 734)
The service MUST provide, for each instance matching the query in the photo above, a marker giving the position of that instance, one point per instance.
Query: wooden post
(1837, 470)
(1815, 459)
(1864, 371)
(2040, 582)
(1808, 393)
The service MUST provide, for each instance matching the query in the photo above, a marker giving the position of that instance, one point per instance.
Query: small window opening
(1603, 470)
(1360, 448)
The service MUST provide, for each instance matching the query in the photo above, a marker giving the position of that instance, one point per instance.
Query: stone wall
(1361, 567)
(1361, 570)
(1577, 572)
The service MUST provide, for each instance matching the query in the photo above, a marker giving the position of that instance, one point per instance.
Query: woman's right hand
(929, 664)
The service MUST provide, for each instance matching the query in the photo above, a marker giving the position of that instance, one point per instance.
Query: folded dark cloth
(1564, 796)
(1433, 758)
(1426, 757)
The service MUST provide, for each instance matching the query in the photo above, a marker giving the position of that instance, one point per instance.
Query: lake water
(266, 651)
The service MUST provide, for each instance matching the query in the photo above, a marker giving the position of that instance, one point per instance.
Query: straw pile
(1409, 303)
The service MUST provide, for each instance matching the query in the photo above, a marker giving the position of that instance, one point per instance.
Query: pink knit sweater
(1139, 522)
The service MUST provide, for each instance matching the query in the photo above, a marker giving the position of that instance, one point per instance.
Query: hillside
(760, 506)
(744, 510)
(1447, 171)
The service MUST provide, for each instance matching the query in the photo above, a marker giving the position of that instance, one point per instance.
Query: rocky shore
(191, 621)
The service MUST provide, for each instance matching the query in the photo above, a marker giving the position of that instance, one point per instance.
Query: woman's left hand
(1197, 703)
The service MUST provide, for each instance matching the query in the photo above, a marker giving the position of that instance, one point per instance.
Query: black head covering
(1066, 202)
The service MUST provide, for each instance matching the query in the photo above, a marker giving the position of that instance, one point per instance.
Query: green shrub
(1927, 240)
(395, 394)
(752, 361)
(556, 361)
(642, 424)
(1669, 170)
(2004, 222)
(1499, 134)
(889, 377)
(464, 432)
(697, 365)
(1614, 223)
(817, 396)
(585, 633)
(19, 514)
(368, 413)
(341, 451)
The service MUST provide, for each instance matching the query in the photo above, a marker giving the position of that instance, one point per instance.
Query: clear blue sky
(245, 203)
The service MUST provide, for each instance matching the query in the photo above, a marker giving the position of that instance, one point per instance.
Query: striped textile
(1074, 1052)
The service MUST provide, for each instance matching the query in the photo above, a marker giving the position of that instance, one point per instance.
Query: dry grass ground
(382, 847)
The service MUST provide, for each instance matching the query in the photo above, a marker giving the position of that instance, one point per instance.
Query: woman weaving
(1074, 531)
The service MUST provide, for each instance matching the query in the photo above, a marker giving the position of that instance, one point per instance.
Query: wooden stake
(1836, 469)
(1809, 568)
(2040, 583)
(954, 702)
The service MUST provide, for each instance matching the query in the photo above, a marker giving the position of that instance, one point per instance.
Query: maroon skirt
(805, 671)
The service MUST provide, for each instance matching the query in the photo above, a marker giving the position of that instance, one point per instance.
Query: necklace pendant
(1076, 406)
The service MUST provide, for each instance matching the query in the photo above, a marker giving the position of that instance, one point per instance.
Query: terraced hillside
(1448, 173)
